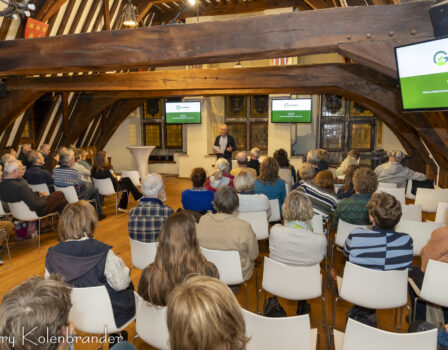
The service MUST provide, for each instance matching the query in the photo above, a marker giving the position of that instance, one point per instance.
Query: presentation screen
(291, 111)
(423, 75)
(183, 112)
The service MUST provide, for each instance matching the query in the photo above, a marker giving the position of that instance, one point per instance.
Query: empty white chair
(106, 188)
(419, 231)
(69, 192)
(360, 336)
(142, 253)
(259, 222)
(283, 333)
(150, 324)
(22, 212)
(372, 288)
(442, 213)
(411, 212)
(409, 190)
(92, 311)
(287, 188)
(398, 193)
(275, 210)
(387, 185)
(40, 188)
(133, 175)
(317, 222)
(429, 198)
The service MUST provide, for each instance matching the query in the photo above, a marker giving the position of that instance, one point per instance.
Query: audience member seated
(34, 310)
(347, 189)
(147, 218)
(269, 182)
(84, 161)
(220, 177)
(225, 231)
(294, 242)
(313, 157)
(380, 247)
(53, 161)
(81, 169)
(253, 161)
(394, 172)
(13, 189)
(286, 171)
(351, 159)
(241, 161)
(101, 171)
(65, 176)
(436, 249)
(23, 155)
(321, 194)
(45, 150)
(323, 164)
(204, 314)
(36, 174)
(353, 210)
(11, 150)
(85, 262)
(198, 198)
(178, 255)
(249, 200)
(305, 174)
(6, 158)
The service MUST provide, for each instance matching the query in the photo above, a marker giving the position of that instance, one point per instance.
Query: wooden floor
(26, 262)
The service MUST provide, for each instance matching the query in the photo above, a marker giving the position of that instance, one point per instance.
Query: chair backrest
(337, 187)
(22, 212)
(69, 192)
(228, 264)
(2, 211)
(429, 198)
(317, 222)
(372, 288)
(286, 175)
(259, 222)
(286, 333)
(398, 193)
(344, 229)
(411, 212)
(150, 324)
(360, 336)
(133, 175)
(142, 253)
(409, 189)
(105, 186)
(275, 210)
(442, 213)
(419, 231)
(386, 185)
(40, 188)
(287, 188)
(92, 310)
(435, 283)
(291, 282)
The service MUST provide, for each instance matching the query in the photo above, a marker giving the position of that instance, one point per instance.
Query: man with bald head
(224, 145)
(241, 160)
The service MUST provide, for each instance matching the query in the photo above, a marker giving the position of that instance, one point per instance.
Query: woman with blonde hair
(178, 255)
(269, 182)
(204, 314)
(221, 177)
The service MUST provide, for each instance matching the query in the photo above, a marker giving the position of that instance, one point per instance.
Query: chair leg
(38, 235)
(7, 247)
(324, 323)
(134, 339)
(415, 308)
(333, 316)
(245, 291)
(258, 300)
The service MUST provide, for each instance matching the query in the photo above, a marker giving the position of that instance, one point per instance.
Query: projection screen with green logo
(183, 112)
(291, 111)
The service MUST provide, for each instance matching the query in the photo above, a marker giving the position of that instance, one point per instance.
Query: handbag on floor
(272, 308)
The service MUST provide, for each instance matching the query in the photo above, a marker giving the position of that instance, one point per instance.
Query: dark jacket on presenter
(224, 152)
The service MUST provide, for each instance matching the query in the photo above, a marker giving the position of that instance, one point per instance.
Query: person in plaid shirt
(147, 218)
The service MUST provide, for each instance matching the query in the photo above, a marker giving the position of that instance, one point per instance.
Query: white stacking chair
(398, 193)
(409, 189)
(275, 210)
(150, 324)
(419, 231)
(259, 222)
(373, 289)
(317, 222)
(293, 283)
(337, 187)
(106, 188)
(429, 198)
(387, 185)
(442, 213)
(344, 230)
(40, 188)
(287, 188)
(360, 336)
(411, 212)
(133, 175)
(142, 253)
(22, 212)
(3, 214)
(285, 333)
(71, 195)
(92, 313)
(228, 263)
(435, 285)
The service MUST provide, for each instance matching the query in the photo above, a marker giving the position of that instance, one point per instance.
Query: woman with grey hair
(221, 177)
(249, 200)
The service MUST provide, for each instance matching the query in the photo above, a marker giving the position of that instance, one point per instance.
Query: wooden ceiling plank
(65, 18)
(5, 138)
(106, 15)
(49, 8)
(4, 28)
(47, 119)
(117, 22)
(14, 104)
(77, 17)
(26, 117)
(90, 15)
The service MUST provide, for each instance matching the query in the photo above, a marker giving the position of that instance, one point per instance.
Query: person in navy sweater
(198, 198)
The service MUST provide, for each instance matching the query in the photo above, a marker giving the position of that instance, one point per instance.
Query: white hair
(152, 184)
(66, 155)
(11, 166)
(255, 152)
(313, 156)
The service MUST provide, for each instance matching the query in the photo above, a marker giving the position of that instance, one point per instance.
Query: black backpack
(272, 308)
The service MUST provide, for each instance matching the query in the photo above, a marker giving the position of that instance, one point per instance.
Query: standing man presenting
(224, 145)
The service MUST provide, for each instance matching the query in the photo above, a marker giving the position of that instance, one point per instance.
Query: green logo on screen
(178, 107)
(440, 58)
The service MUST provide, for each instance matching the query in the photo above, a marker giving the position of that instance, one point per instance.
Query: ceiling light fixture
(129, 15)
(17, 8)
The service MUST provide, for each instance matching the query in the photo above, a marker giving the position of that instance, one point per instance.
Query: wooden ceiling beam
(14, 104)
(291, 34)
(48, 8)
(106, 14)
(66, 16)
